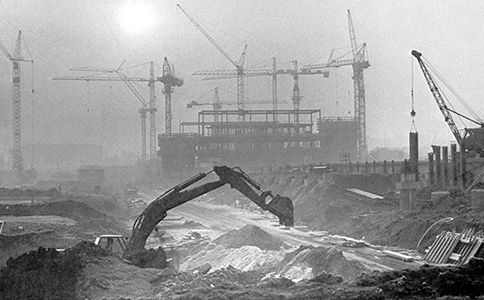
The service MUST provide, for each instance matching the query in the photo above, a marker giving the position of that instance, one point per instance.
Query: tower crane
(359, 62)
(147, 107)
(169, 81)
(274, 72)
(239, 65)
(16, 60)
(217, 104)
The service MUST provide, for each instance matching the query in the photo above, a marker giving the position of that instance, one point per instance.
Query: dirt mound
(103, 203)
(308, 261)
(90, 222)
(68, 208)
(18, 193)
(18, 244)
(431, 282)
(245, 258)
(193, 286)
(46, 273)
(250, 235)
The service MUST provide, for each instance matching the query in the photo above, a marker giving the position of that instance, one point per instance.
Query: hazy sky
(61, 34)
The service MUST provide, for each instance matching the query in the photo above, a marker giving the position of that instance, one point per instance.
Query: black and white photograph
(241, 149)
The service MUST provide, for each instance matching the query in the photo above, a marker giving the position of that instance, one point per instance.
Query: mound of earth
(245, 258)
(18, 193)
(307, 262)
(429, 282)
(69, 223)
(46, 273)
(90, 222)
(250, 235)
(15, 245)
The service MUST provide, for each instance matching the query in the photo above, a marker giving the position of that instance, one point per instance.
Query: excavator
(280, 206)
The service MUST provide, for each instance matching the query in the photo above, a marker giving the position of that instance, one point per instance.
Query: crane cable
(413, 128)
(454, 92)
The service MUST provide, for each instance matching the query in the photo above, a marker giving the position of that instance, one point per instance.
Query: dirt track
(221, 218)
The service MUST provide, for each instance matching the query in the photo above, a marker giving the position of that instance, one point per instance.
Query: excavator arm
(146, 222)
(279, 206)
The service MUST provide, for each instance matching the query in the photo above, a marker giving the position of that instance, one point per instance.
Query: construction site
(271, 199)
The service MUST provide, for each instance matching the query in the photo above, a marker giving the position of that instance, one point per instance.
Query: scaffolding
(261, 138)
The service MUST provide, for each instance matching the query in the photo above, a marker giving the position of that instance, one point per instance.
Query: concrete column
(357, 167)
(431, 169)
(366, 167)
(453, 168)
(438, 166)
(463, 169)
(393, 166)
(413, 141)
(374, 167)
(407, 187)
(384, 167)
(445, 166)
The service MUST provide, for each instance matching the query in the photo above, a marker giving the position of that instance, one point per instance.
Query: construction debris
(456, 248)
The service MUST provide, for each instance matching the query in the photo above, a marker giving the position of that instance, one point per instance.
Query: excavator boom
(146, 222)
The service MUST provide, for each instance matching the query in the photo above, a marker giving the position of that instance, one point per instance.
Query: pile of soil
(90, 222)
(190, 285)
(46, 273)
(105, 204)
(87, 271)
(18, 193)
(15, 245)
(308, 261)
(250, 235)
(86, 225)
(245, 258)
(429, 282)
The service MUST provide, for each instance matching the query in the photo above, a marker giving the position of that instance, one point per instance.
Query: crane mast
(152, 110)
(169, 81)
(17, 110)
(16, 60)
(359, 63)
(296, 98)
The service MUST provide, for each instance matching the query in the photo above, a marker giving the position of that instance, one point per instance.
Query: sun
(136, 17)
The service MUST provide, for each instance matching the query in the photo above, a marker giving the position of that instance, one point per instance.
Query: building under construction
(258, 138)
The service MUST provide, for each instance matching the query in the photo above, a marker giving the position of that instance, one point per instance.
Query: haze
(64, 34)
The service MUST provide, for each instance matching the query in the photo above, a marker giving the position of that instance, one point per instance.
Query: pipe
(444, 220)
